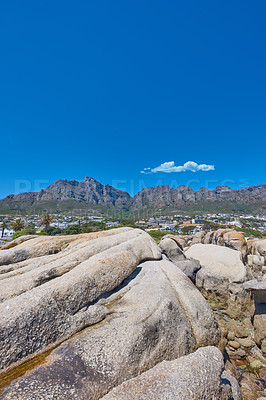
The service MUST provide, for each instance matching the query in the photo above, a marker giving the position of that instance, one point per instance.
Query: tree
(31, 229)
(187, 229)
(46, 221)
(73, 229)
(18, 225)
(52, 231)
(3, 227)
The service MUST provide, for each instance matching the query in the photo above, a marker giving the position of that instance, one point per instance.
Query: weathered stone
(236, 240)
(246, 342)
(258, 247)
(241, 332)
(174, 253)
(263, 347)
(232, 325)
(197, 376)
(259, 328)
(239, 353)
(208, 238)
(218, 237)
(234, 344)
(222, 271)
(247, 323)
(157, 314)
(257, 364)
(251, 386)
(230, 335)
(234, 312)
(46, 303)
(17, 241)
(223, 327)
(171, 249)
(256, 263)
(258, 289)
(198, 238)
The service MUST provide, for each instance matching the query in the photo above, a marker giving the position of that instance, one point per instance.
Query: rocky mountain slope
(165, 196)
(89, 193)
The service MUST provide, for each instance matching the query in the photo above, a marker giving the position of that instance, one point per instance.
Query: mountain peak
(89, 179)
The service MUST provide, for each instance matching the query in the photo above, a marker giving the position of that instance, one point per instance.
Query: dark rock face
(91, 192)
(164, 196)
(87, 191)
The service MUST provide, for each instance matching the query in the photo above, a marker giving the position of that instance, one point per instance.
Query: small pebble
(230, 335)
(234, 344)
(257, 364)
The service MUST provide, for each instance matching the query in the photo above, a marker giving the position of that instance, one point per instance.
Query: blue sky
(108, 88)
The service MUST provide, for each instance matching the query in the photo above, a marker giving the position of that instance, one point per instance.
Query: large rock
(17, 241)
(258, 247)
(181, 240)
(256, 263)
(196, 376)
(222, 271)
(45, 299)
(258, 290)
(260, 328)
(156, 314)
(171, 248)
(198, 238)
(218, 237)
(209, 237)
(236, 240)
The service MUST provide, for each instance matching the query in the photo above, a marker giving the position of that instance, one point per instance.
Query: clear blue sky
(108, 88)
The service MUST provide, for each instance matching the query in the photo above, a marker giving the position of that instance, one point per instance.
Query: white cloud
(170, 166)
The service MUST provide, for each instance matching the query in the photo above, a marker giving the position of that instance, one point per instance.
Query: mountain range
(91, 195)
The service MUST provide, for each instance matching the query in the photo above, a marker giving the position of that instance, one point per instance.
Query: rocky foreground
(112, 315)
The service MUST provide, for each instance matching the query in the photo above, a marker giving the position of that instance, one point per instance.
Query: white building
(7, 233)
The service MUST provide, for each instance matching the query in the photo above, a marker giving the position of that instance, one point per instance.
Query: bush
(19, 233)
(187, 229)
(52, 231)
(73, 229)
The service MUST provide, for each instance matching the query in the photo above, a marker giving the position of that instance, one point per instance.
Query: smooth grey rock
(17, 241)
(222, 270)
(236, 392)
(190, 267)
(50, 307)
(196, 376)
(157, 314)
(258, 247)
(170, 247)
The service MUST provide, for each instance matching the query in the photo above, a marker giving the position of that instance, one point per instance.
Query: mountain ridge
(90, 193)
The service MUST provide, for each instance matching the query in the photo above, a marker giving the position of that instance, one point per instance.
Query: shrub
(19, 233)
